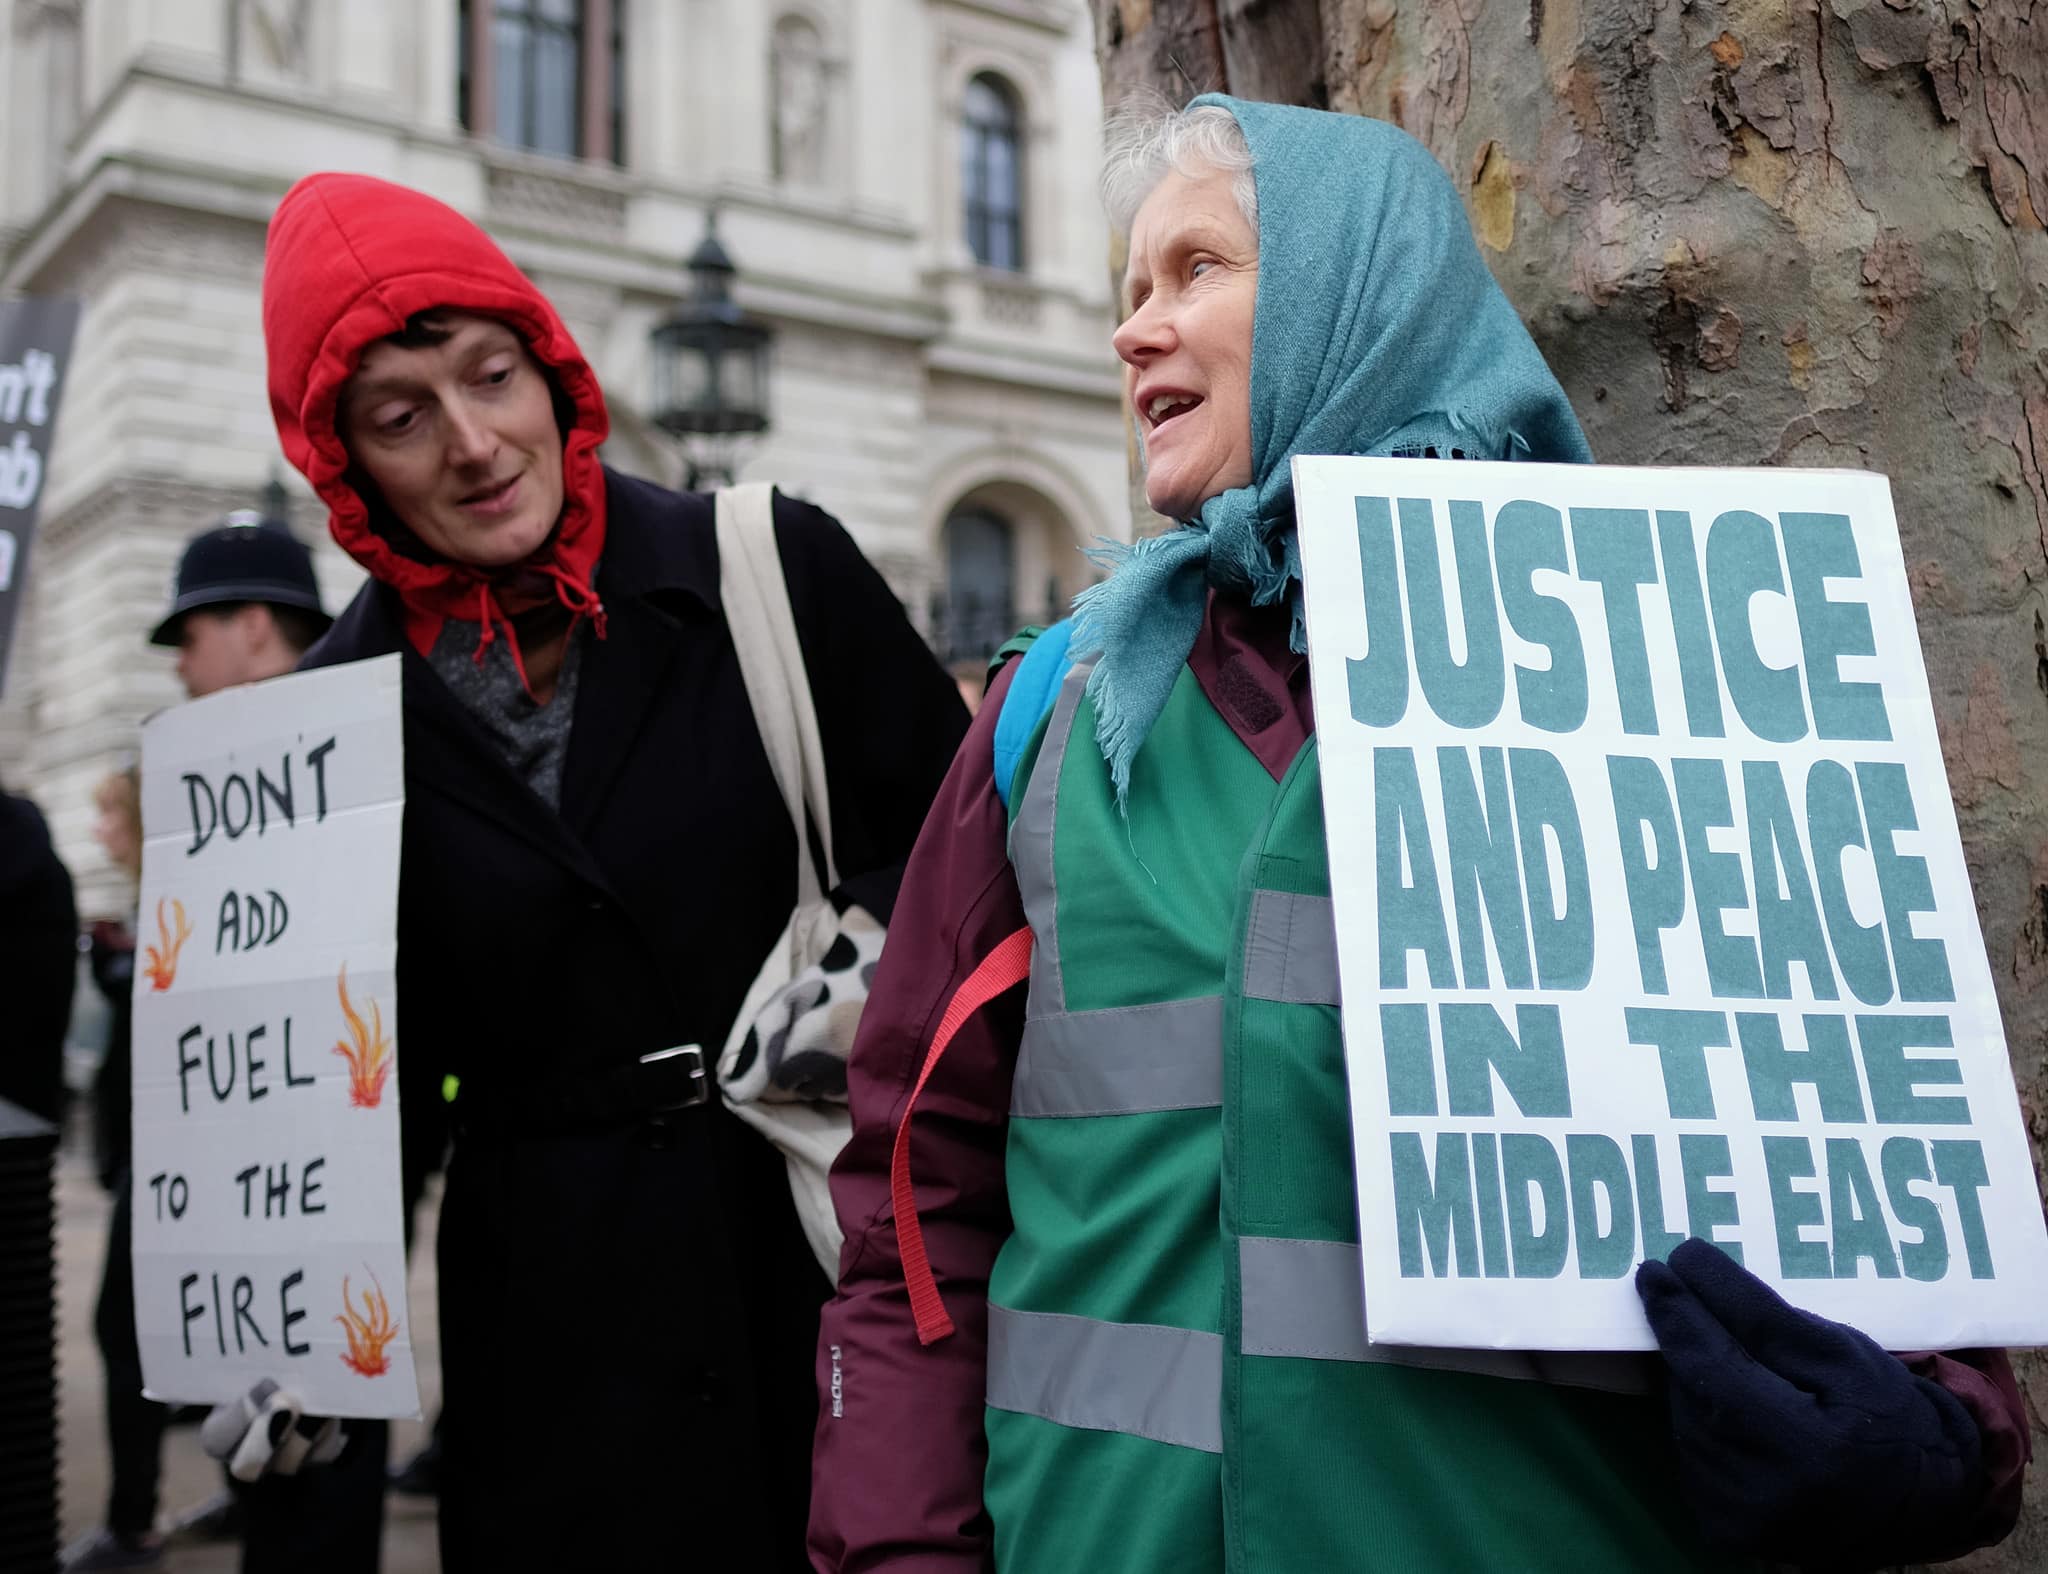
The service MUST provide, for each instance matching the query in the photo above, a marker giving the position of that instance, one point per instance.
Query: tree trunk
(1749, 233)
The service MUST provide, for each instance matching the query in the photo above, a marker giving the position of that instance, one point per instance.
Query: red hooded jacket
(349, 260)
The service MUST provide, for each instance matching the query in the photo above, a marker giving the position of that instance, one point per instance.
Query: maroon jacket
(900, 1448)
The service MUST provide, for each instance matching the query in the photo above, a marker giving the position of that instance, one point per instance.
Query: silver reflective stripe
(1290, 949)
(1140, 1379)
(1127, 1060)
(1306, 1299)
(1031, 845)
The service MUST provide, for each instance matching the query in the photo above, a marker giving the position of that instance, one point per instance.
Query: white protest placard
(1652, 914)
(269, 1228)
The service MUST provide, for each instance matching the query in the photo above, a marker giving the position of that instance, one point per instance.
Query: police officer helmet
(244, 558)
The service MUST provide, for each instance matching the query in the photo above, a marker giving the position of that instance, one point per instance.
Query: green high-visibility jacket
(1178, 1376)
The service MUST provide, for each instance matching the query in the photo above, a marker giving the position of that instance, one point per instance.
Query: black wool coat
(629, 1311)
(39, 945)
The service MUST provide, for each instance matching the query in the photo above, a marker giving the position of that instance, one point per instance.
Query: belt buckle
(697, 1088)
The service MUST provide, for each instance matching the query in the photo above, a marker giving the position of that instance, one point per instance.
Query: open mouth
(1161, 409)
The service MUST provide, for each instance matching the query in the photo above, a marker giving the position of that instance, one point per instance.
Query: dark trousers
(327, 1519)
(135, 1426)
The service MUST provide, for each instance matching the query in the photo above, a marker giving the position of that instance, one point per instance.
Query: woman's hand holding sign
(1798, 1438)
(266, 1432)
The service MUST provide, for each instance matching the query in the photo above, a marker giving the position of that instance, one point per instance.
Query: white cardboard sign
(1652, 913)
(269, 1229)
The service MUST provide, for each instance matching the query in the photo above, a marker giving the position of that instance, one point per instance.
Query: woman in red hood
(595, 860)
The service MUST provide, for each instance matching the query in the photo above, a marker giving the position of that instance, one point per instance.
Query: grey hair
(1147, 137)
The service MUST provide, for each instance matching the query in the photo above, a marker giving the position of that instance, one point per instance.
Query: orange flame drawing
(160, 965)
(369, 1055)
(369, 1330)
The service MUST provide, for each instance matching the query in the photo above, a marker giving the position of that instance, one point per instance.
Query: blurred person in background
(39, 940)
(245, 605)
(135, 1425)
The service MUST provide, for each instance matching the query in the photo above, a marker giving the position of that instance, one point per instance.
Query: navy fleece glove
(1799, 1439)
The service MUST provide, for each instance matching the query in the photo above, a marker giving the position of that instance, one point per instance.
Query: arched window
(992, 173)
(979, 610)
(800, 102)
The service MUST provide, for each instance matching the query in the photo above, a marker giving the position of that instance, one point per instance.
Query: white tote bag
(783, 1067)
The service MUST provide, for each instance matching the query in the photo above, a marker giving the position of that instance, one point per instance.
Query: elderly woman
(1116, 1325)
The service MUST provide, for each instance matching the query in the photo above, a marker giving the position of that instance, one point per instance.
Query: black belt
(649, 1091)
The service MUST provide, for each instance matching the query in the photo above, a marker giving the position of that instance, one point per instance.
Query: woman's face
(1186, 343)
(460, 437)
(114, 828)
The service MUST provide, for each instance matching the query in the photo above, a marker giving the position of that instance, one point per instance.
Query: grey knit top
(532, 739)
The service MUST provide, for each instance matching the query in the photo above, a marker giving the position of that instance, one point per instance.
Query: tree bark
(1747, 233)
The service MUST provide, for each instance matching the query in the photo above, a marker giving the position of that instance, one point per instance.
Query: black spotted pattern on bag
(750, 1051)
(803, 995)
(812, 1074)
(796, 1046)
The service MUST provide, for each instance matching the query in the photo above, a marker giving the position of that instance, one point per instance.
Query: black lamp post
(277, 502)
(710, 366)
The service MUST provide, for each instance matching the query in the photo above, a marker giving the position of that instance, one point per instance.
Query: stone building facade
(906, 186)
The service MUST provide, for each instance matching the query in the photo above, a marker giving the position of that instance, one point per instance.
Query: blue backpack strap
(1033, 689)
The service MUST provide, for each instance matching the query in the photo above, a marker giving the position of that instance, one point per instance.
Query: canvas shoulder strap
(755, 595)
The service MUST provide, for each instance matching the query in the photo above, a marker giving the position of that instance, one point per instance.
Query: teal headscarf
(1377, 330)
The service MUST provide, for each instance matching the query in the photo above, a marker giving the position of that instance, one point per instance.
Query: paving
(189, 1476)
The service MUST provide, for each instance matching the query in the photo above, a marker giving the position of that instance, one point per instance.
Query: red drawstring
(581, 600)
(487, 608)
(1007, 965)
